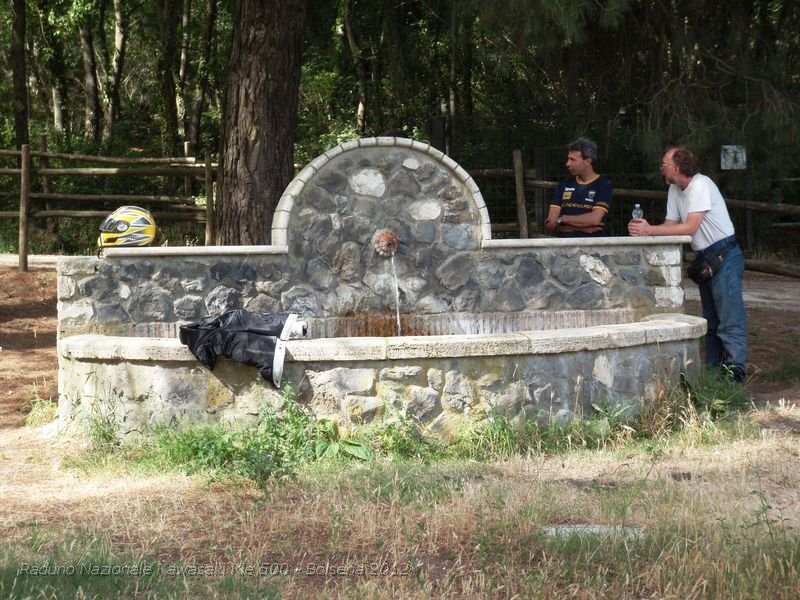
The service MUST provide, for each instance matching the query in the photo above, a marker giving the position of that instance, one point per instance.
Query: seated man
(581, 203)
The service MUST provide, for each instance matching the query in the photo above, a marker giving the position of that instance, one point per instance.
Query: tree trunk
(100, 42)
(260, 117)
(118, 66)
(468, 65)
(60, 85)
(168, 13)
(395, 48)
(453, 71)
(54, 63)
(361, 69)
(20, 74)
(198, 104)
(186, 15)
(182, 97)
(58, 111)
(91, 88)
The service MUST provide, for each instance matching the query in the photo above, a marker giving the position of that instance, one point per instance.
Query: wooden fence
(187, 169)
(184, 169)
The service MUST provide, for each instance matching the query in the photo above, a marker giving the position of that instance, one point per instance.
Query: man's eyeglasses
(663, 164)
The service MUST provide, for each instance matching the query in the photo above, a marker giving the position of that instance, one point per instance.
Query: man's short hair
(586, 147)
(686, 160)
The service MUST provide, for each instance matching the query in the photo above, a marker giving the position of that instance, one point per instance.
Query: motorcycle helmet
(127, 226)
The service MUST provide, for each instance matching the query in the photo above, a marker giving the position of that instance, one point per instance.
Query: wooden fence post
(209, 202)
(44, 163)
(24, 200)
(219, 194)
(187, 181)
(540, 198)
(519, 183)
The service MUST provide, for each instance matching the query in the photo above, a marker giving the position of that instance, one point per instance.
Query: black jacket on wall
(254, 339)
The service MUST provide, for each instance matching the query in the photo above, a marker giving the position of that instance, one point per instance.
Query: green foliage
(40, 410)
(527, 77)
(286, 437)
(76, 237)
(497, 437)
(330, 445)
(734, 79)
(79, 570)
(283, 438)
(410, 482)
(787, 369)
(38, 567)
(493, 438)
(320, 126)
(103, 423)
(399, 436)
(716, 394)
(9, 236)
(714, 398)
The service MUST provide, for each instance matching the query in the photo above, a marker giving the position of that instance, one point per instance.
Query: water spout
(386, 244)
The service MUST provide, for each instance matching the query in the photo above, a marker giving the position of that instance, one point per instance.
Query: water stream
(396, 295)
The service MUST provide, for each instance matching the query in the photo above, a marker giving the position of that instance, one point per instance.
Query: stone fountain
(374, 238)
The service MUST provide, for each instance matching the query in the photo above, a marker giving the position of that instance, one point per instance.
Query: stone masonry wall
(156, 382)
(451, 277)
(576, 286)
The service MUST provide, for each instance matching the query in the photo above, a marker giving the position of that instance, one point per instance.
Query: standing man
(695, 207)
(580, 204)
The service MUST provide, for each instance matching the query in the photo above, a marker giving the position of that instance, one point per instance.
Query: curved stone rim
(654, 329)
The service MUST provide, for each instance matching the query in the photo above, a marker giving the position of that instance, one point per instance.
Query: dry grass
(717, 519)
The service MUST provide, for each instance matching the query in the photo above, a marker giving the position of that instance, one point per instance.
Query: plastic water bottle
(637, 213)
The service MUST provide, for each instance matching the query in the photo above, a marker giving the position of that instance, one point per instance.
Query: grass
(788, 369)
(85, 568)
(40, 411)
(710, 499)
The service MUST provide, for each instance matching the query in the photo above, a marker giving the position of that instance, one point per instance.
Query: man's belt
(720, 247)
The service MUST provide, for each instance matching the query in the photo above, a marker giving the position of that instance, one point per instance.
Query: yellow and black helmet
(127, 226)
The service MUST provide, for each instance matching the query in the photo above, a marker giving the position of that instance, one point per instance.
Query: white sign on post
(732, 158)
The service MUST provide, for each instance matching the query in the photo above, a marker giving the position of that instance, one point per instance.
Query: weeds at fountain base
(286, 436)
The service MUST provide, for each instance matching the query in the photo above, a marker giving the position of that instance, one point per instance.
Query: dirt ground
(28, 363)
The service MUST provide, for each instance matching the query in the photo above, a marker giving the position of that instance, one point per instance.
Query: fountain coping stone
(658, 328)
(548, 242)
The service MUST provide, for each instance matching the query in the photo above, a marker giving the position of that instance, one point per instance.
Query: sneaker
(734, 372)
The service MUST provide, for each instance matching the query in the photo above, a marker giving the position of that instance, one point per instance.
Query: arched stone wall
(401, 176)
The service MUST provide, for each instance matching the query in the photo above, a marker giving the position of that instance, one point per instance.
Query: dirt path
(773, 332)
(28, 363)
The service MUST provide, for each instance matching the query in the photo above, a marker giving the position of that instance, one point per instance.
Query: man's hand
(551, 222)
(638, 227)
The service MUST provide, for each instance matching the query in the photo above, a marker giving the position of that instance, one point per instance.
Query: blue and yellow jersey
(579, 198)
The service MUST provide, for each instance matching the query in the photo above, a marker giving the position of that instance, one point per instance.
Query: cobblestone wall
(451, 277)
(437, 381)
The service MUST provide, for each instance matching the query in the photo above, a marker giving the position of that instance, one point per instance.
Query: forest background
(267, 84)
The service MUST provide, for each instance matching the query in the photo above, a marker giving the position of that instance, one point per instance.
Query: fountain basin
(437, 380)
(373, 237)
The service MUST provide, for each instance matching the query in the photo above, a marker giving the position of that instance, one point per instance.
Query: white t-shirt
(701, 195)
